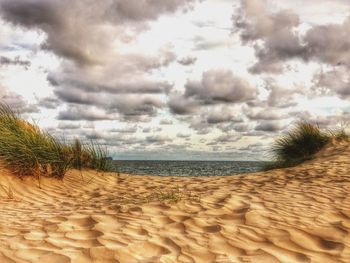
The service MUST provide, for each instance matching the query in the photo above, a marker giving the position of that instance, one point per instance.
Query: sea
(187, 168)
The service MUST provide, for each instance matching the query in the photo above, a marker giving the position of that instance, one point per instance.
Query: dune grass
(26, 150)
(300, 144)
(88, 155)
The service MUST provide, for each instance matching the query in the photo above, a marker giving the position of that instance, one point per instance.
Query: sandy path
(298, 214)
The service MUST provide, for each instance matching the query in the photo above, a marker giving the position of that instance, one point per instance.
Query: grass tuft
(300, 144)
(26, 150)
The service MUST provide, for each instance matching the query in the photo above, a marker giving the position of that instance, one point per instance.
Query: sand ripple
(297, 214)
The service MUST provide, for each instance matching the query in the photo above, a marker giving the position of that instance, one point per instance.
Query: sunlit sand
(299, 214)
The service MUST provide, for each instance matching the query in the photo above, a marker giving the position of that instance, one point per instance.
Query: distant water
(186, 168)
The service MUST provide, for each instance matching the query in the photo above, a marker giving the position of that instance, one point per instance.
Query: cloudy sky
(176, 79)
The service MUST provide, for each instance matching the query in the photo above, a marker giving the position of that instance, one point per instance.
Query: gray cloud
(276, 39)
(336, 81)
(178, 104)
(277, 31)
(215, 87)
(265, 114)
(79, 112)
(90, 36)
(226, 138)
(220, 86)
(5, 61)
(329, 43)
(128, 129)
(183, 135)
(187, 61)
(16, 101)
(157, 139)
(68, 126)
(94, 72)
(270, 126)
(224, 114)
(49, 102)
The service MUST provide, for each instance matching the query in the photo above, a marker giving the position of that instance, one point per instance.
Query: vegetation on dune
(91, 155)
(27, 150)
(300, 144)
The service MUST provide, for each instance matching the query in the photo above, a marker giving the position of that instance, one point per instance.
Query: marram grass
(300, 144)
(26, 150)
(90, 155)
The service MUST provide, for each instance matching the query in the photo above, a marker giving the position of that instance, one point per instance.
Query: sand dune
(299, 214)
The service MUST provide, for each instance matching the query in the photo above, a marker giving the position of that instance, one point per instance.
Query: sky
(176, 79)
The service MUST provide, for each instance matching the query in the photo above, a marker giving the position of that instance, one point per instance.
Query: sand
(299, 214)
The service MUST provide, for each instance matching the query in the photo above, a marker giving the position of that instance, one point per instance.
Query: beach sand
(299, 214)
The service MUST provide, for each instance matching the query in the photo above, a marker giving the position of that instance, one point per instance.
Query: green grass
(90, 155)
(300, 144)
(26, 150)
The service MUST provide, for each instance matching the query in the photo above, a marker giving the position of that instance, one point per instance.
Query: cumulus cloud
(221, 115)
(82, 30)
(220, 86)
(178, 104)
(276, 38)
(329, 43)
(86, 34)
(277, 31)
(336, 81)
(215, 87)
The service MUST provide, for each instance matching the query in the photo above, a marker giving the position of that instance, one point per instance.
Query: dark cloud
(215, 87)
(93, 71)
(134, 106)
(277, 31)
(5, 61)
(187, 61)
(270, 126)
(82, 30)
(181, 105)
(49, 102)
(127, 105)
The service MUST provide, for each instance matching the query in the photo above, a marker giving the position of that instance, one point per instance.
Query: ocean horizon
(186, 167)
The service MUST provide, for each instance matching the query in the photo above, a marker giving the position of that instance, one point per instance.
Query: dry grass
(26, 150)
(300, 144)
